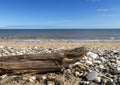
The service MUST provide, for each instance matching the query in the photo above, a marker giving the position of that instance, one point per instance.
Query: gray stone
(115, 71)
(104, 80)
(119, 79)
(97, 80)
(110, 83)
(118, 69)
(92, 83)
(92, 55)
(102, 59)
(92, 75)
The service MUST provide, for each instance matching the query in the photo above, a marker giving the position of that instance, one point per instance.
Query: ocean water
(103, 35)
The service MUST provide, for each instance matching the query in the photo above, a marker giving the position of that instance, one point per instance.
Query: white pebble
(118, 69)
(92, 55)
(32, 79)
(44, 77)
(3, 76)
(97, 61)
(89, 62)
(101, 66)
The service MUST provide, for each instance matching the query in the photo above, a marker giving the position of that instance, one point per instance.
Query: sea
(79, 35)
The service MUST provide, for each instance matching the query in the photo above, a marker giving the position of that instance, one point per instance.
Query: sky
(60, 14)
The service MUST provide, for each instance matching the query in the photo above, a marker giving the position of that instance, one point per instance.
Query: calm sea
(60, 35)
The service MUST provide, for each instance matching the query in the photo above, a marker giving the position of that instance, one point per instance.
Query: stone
(115, 71)
(102, 59)
(101, 66)
(110, 83)
(115, 51)
(32, 79)
(78, 70)
(3, 76)
(104, 81)
(119, 79)
(118, 69)
(118, 62)
(77, 73)
(44, 77)
(92, 75)
(92, 55)
(89, 62)
(97, 62)
(97, 79)
(25, 78)
(68, 71)
(92, 83)
(50, 83)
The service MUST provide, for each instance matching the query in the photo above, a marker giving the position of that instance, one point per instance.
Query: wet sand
(66, 45)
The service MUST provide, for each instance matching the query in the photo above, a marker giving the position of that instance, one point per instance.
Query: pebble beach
(99, 66)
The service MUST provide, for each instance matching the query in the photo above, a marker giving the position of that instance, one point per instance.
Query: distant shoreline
(66, 35)
(59, 40)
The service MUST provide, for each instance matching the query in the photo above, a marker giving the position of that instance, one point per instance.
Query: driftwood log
(39, 63)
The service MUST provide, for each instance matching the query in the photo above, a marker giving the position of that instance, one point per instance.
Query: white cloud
(105, 9)
(106, 12)
(107, 15)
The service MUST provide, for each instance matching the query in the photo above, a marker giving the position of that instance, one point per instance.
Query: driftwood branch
(40, 63)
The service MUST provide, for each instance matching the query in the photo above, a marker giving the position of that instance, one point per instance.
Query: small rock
(92, 75)
(118, 62)
(115, 51)
(97, 62)
(32, 79)
(119, 79)
(50, 83)
(101, 66)
(118, 69)
(110, 83)
(104, 81)
(78, 70)
(77, 73)
(88, 62)
(115, 71)
(92, 55)
(92, 83)
(3, 76)
(49, 51)
(25, 78)
(68, 71)
(44, 77)
(98, 80)
(102, 59)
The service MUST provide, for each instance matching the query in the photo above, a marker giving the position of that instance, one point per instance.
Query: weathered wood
(75, 53)
(39, 62)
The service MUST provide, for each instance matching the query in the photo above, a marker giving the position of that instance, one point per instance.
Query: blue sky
(60, 13)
